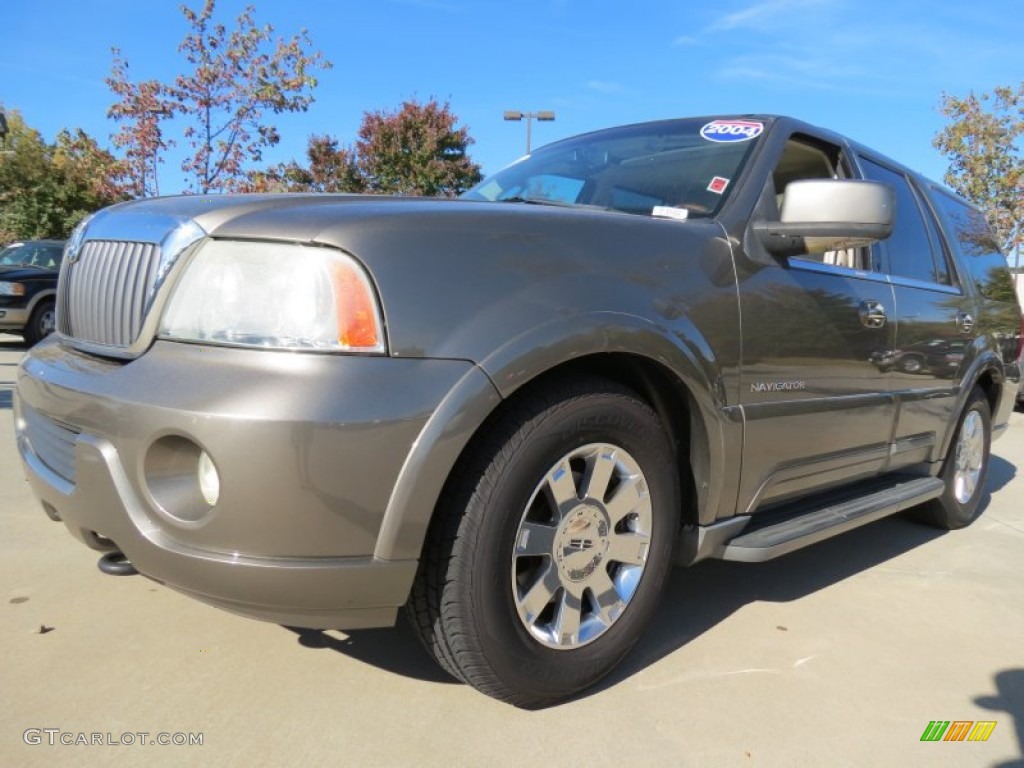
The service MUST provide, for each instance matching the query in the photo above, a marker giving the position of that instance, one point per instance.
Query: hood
(22, 274)
(322, 218)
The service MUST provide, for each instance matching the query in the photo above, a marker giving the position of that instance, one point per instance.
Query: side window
(943, 269)
(54, 254)
(804, 158)
(800, 160)
(969, 234)
(910, 247)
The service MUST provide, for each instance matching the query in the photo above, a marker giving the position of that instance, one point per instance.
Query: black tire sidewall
(958, 515)
(33, 332)
(514, 655)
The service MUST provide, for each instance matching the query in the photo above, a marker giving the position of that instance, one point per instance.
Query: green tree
(416, 150)
(234, 79)
(983, 142)
(45, 189)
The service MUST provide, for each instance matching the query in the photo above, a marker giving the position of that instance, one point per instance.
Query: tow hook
(116, 564)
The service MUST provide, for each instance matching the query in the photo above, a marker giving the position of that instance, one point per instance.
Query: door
(935, 321)
(816, 401)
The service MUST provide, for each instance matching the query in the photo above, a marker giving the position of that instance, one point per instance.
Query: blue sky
(873, 69)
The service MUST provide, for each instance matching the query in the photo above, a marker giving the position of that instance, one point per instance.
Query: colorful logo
(958, 730)
(725, 131)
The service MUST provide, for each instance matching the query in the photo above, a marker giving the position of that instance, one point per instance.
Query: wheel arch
(666, 374)
(986, 374)
(41, 297)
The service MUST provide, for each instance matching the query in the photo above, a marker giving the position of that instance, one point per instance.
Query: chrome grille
(52, 441)
(103, 296)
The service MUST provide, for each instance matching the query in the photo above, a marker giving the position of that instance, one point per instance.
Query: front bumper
(13, 318)
(308, 449)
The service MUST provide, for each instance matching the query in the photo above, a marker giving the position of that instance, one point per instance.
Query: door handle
(965, 321)
(872, 314)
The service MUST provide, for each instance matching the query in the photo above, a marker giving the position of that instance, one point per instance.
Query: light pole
(515, 114)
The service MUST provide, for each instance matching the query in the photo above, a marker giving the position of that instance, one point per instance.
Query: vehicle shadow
(1000, 472)
(1009, 694)
(711, 591)
(393, 649)
(696, 599)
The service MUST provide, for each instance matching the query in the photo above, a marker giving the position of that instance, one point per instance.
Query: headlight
(274, 295)
(12, 289)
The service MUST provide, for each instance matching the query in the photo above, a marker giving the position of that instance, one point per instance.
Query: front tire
(551, 545)
(911, 364)
(965, 470)
(41, 324)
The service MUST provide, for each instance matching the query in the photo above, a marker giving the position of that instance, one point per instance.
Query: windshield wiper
(549, 201)
(535, 201)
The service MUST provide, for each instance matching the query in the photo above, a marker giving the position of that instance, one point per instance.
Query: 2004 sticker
(725, 131)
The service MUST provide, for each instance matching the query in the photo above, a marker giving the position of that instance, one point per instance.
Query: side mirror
(820, 215)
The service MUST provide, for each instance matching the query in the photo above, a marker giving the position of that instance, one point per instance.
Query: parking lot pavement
(841, 654)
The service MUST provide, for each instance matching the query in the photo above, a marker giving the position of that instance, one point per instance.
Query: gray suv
(511, 413)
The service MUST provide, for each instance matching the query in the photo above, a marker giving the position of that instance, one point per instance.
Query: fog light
(209, 480)
(182, 480)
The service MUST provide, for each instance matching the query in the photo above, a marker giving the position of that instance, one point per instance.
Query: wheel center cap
(581, 542)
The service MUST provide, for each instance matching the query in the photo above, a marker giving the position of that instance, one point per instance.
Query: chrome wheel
(970, 456)
(47, 322)
(581, 546)
(911, 365)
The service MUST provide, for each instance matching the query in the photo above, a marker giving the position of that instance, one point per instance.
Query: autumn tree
(234, 80)
(141, 109)
(90, 177)
(984, 143)
(416, 150)
(45, 189)
(331, 168)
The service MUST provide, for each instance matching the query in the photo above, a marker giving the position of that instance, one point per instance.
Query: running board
(766, 542)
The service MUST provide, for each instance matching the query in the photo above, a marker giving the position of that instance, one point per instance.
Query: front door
(815, 392)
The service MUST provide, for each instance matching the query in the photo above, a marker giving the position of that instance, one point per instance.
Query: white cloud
(604, 86)
(769, 14)
(805, 71)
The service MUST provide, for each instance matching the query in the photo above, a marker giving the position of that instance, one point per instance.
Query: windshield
(42, 255)
(674, 168)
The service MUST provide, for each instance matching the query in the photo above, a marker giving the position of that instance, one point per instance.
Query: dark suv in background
(28, 287)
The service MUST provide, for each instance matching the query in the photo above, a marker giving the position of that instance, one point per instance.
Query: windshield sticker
(668, 212)
(718, 185)
(724, 131)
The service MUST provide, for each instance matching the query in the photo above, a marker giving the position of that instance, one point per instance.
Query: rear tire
(965, 469)
(551, 545)
(41, 324)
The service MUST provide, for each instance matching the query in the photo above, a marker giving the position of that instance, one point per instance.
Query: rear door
(935, 320)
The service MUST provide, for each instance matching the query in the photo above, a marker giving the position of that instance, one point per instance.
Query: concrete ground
(836, 655)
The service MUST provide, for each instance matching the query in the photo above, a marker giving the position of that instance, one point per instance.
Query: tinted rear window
(970, 236)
